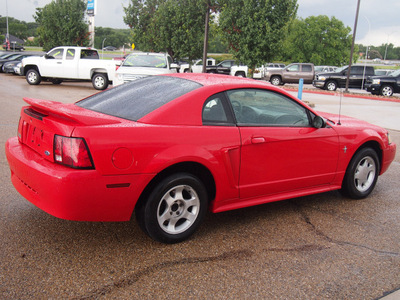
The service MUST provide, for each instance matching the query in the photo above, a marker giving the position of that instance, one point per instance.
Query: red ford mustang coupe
(171, 147)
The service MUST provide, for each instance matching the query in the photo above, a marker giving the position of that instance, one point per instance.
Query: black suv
(384, 85)
(331, 81)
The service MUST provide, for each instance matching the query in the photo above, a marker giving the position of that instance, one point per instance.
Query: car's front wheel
(100, 81)
(174, 209)
(331, 85)
(33, 77)
(276, 80)
(387, 90)
(361, 174)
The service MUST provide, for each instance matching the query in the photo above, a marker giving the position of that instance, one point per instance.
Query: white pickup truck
(76, 63)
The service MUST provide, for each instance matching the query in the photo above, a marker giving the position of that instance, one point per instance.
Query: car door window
(294, 68)
(254, 107)
(70, 54)
(215, 111)
(56, 54)
(306, 68)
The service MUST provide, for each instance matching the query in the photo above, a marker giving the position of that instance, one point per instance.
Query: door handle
(257, 140)
(59, 62)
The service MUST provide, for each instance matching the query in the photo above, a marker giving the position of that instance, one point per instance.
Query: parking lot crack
(324, 236)
(130, 279)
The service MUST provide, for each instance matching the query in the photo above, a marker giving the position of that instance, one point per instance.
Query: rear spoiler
(70, 112)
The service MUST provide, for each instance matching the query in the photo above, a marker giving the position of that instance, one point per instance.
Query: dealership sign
(90, 8)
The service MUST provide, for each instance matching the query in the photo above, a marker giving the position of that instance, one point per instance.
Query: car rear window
(133, 100)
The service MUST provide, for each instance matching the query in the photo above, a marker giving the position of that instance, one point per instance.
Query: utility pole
(8, 35)
(205, 46)
(352, 46)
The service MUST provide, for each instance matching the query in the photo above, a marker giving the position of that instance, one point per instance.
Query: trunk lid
(42, 120)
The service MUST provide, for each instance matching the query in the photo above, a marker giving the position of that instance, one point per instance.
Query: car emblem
(47, 153)
(345, 149)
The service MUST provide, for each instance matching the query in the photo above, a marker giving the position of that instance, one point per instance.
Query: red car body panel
(249, 165)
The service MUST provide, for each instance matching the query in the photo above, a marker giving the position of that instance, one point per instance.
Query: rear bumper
(79, 195)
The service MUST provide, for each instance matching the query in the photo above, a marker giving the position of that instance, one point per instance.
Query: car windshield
(135, 99)
(149, 61)
(395, 73)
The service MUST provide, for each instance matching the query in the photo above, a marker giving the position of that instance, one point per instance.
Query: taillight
(72, 152)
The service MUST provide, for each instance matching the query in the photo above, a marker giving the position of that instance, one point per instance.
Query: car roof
(149, 53)
(209, 79)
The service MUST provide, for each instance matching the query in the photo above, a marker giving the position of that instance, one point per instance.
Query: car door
(225, 67)
(51, 63)
(280, 150)
(306, 73)
(292, 73)
(356, 76)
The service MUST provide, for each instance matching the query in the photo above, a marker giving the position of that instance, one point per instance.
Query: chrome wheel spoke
(365, 174)
(178, 209)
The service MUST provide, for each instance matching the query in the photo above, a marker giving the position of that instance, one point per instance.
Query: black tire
(240, 74)
(276, 80)
(174, 209)
(331, 85)
(33, 77)
(386, 90)
(100, 81)
(361, 174)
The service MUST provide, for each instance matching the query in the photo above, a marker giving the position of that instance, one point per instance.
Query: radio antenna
(340, 105)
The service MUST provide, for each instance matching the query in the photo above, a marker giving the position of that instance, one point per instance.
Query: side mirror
(319, 122)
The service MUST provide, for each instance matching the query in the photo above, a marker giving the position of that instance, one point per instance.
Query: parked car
(260, 72)
(13, 47)
(14, 57)
(291, 74)
(228, 67)
(384, 85)
(331, 81)
(7, 66)
(197, 67)
(139, 65)
(324, 69)
(110, 48)
(171, 147)
(69, 63)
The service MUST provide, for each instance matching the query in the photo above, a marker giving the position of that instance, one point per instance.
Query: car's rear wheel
(331, 85)
(387, 90)
(33, 77)
(174, 209)
(361, 174)
(276, 80)
(100, 81)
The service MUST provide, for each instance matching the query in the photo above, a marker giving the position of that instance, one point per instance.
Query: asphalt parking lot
(316, 247)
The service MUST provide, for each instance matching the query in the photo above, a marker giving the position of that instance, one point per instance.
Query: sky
(378, 21)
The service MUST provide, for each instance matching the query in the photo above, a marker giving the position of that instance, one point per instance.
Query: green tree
(114, 37)
(62, 23)
(20, 29)
(173, 26)
(255, 29)
(139, 16)
(319, 40)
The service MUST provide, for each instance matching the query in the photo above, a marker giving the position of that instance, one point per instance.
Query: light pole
(352, 46)
(366, 55)
(8, 35)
